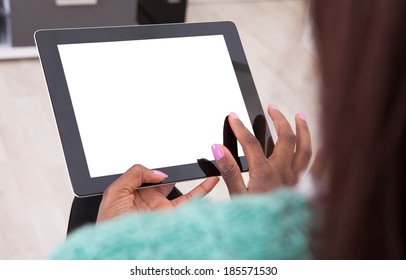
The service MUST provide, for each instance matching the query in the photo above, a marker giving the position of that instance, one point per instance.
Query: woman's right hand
(291, 156)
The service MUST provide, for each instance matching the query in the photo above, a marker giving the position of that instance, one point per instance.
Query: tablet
(157, 95)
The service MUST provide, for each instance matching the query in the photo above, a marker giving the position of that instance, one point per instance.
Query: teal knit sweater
(267, 226)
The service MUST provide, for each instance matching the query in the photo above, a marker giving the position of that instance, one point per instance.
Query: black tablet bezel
(47, 42)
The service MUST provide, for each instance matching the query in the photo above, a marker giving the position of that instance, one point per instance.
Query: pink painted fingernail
(273, 106)
(217, 151)
(234, 115)
(302, 116)
(160, 174)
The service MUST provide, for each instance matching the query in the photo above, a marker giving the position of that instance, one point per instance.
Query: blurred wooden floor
(35, 194)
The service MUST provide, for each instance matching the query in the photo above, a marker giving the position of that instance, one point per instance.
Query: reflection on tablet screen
(158, 102)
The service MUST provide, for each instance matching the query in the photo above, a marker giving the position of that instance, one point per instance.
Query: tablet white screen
(158, 102)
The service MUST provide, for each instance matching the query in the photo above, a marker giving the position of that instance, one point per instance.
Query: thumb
(229, 169)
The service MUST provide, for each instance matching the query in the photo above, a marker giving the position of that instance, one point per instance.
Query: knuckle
(290, 138)
(175, 203)
(188, 196)
(136, 167)
(251, 140)
(228, 171)
(307, 154)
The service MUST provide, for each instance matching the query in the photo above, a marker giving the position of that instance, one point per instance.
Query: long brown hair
(362, 54)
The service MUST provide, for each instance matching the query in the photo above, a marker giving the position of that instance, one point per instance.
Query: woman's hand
(291, 155)
(123, 196)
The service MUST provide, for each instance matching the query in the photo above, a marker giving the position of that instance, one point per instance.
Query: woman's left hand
(123, 196)
(291, 156)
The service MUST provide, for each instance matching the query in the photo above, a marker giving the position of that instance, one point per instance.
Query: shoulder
(255, 226)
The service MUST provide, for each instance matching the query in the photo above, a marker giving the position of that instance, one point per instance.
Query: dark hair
(362, 54)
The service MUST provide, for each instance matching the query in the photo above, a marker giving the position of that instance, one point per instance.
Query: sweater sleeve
(270, 226)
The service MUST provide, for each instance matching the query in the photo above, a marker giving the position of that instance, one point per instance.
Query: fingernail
(234, 115)
(273, 106)
(302, 116)
(217, 151)
(160, 174)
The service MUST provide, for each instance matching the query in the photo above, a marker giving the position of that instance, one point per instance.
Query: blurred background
(35, 192)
